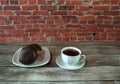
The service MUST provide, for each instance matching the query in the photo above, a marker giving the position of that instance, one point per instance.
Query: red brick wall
(59, 20)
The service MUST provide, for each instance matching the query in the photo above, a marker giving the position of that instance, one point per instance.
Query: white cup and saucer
(70, 58)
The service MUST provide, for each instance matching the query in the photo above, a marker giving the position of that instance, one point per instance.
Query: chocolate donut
(29, 54)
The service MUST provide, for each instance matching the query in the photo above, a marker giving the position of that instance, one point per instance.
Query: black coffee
(71, 52)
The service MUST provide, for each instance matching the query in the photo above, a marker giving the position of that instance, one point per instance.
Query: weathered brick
(49, 8)
(74, 2)
(58, 13)
(12, 8)
(87, 17)
(33, 2)
(73, 26)
(82, 8)
(29, 7)
(40, 12)
(66, 8)
(41, 1)
(114, 2)
(101, 7)
(14, 2)
(112, 13)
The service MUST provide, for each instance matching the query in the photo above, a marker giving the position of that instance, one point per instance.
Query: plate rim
(70, 66)
(36, 65)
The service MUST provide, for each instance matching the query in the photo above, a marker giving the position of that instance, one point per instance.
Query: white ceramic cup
(71, 60)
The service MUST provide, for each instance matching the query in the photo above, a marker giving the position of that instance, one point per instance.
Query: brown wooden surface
(102, 65)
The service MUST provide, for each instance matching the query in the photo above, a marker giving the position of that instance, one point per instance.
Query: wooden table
(102, 65)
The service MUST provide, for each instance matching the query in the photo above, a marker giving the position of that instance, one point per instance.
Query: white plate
(41, 60)
(61, 64)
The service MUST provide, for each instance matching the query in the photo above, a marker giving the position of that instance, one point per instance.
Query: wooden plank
(91, 60)
(63, 82)
(58, 74)
(107, 43)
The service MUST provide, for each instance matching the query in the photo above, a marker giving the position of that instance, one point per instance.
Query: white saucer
(61, 64)
(43, 59)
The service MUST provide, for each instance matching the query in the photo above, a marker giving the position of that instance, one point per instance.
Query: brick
(3, 39)
(88, 38)
(66, 8)
(73, 26)
(83, 22)
(114, 8)
(50, 2)
(110, 38)
(83, 34)
(74, 2)
(96, 2)
(91, 22)
(1, 22)
(6, 27)
(95, 12)
(33, 21)
(34, 17)
(60, 2)
(114, 2)
(6, 13)
(75, 21)
(33, 2)
(49, 8)
(14, 2)
(42, 39)
(101, 7)
(76, 13)
(3, 18)
(87, 17)
(105, 1)
(23, 13)
(5, 35)
(10, 39)
(107, 21)
(23, 2)
(82, 8)
(69, 17)
(42, 26)
(16, 17)
(40, 12)
(104, 17)
(7, 22)
(16, 21)
(99, 21)
(41, 1)
(105, 26)
(12, 8)
(112, 13)
(4, 2)
(117, 18)
(90, 26)
(81, 38)
(58, 39)
(58, 21)
(32, 30)
(58, 13)
(29, 7)
(0, 7)
(36, 34)
(116, 22)
(19, 34)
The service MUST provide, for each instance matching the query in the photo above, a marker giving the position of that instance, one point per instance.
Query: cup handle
(83, 58)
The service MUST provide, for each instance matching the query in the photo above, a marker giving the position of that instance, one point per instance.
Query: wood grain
(58, 74)
(102, 65)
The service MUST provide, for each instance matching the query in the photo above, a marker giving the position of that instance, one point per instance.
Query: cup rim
(71, 47)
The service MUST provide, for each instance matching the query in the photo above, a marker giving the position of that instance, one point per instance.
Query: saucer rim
(74, 67)
(47, 59)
